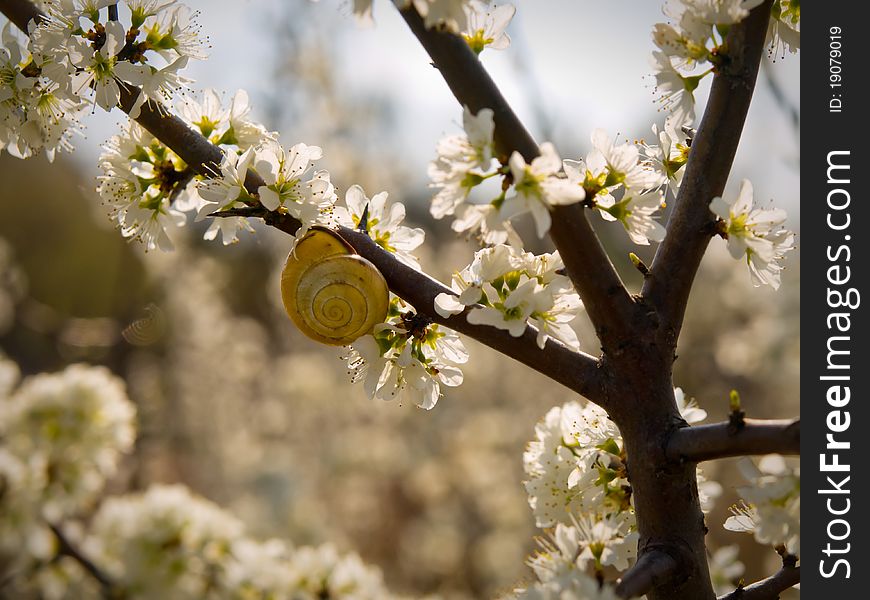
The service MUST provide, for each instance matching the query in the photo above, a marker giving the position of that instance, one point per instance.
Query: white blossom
(574, 466)
(226, 191)
(407, 358)
(538, 187)
(754, 234)
(774, 502)
(486, 26)
(623, 164)
(725, 569)
(689, 408)
(675, 90)
(174, 33)
(383, 223)
(461, 162)
(163, 542)
(635, 212)
(607, 541)
(669, 157)
(286, 187)
(68, 431)
(484, 220)
(509, 290)
(784, 28)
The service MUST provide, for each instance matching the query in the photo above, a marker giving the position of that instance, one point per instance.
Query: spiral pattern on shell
(331, 294)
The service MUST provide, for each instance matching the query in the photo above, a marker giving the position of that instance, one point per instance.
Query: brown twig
(690, 226)
(66, 548)
(20, 12)
(769, 589)
(721, 440)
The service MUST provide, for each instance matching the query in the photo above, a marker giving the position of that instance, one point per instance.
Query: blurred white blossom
(69, 430)
(725, 569)
(774, 503)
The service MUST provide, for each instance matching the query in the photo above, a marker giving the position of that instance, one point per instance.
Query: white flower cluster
(383, 224)
(407, 357)
(164, 539)
(291, 188)
(690, 41)
(669, 156)
(148, 188)
(754, 234)
(578, 489)
(611, 167)
(76, 51)
(479, 24)
(464, 162)
(61, 437)
(36, 113)
(509, 289)
(575, 466)
(167, 542)
(773, 512)
(323, 573)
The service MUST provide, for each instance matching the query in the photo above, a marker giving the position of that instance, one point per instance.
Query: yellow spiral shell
(332, 295)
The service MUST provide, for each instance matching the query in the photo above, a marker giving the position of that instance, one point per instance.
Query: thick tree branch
(609, 305)
(768, 589)
(721, 440)
(691, 225)
(651, 569)
(20, 12)
(577, 371)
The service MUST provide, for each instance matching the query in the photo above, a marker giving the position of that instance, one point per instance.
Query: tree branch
(65, 548)
(691, 225)
(609, 305)
(20, 12)
(768, 589)
(721, 440)
(651, 569)
(577, 371)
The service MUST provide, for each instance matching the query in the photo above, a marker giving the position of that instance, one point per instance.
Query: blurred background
(235, 403)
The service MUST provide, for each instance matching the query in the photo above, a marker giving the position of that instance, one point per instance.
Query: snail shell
(332, 295)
